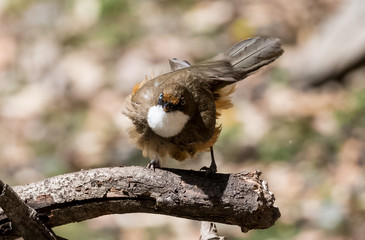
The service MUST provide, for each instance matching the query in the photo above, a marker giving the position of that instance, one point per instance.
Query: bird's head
(174, 107)
(175, 97)
(170, 102)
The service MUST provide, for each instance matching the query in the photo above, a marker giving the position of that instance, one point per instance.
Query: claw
(209, 170)
(154, 163)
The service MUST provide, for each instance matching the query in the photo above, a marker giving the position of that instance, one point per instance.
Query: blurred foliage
(241, 29)
(289, 138)
(279, 231)
(286, 140)
(162, 232)
(82, 231)
(354, 115)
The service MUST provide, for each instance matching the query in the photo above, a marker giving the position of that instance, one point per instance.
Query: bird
(175, 115)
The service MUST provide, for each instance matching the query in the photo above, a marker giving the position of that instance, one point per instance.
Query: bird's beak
(167, 107)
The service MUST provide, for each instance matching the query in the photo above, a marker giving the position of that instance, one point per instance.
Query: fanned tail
(240, 61)
(251, 54)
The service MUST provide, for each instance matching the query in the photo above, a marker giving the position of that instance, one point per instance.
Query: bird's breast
(166, 124)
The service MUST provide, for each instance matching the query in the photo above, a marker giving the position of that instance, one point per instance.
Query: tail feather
(251, 54)
(240, 61)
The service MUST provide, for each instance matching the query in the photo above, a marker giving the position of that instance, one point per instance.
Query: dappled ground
(66, 67)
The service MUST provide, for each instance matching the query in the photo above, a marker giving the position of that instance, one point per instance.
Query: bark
(24, 219)
(238, 199)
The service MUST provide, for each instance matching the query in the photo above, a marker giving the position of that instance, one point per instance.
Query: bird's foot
(213, 165)
(209, 170)
(153, 164)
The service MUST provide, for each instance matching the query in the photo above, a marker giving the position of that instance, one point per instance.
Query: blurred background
(67, 66)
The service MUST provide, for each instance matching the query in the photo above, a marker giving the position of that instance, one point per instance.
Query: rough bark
(239, 199)
(25, 221)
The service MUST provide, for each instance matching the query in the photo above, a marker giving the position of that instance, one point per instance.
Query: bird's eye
(160, 100)
(182, 102)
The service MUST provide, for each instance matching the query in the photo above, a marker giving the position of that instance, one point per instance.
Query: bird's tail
(251, 54)
(240, 61)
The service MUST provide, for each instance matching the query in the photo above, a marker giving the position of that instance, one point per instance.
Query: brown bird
(174, 115)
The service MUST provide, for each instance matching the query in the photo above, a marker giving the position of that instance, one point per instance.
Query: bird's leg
(154, 163)
(213, 165)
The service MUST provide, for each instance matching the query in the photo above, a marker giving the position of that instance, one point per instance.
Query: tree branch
(24, 219)
(239, 199)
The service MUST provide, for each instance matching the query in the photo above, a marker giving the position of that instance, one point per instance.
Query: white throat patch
(166, 124)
